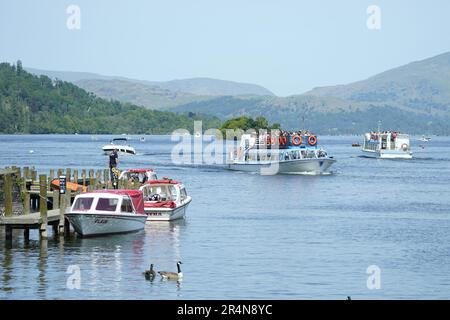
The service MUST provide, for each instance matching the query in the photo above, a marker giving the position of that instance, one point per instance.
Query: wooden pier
(30, 201)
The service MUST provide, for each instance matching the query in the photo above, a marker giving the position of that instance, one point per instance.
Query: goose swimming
(172, 275)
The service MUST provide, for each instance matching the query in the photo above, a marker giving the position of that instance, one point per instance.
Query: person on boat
(113, 162)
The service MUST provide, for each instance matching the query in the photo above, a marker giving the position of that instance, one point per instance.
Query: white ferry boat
(280, 154)
(387, 145)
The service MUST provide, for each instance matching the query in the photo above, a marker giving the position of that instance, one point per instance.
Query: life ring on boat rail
(405, 146)
(312, 140)
(296, 140)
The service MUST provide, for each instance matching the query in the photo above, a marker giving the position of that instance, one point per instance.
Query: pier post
(83, 176)
(26, 173)
(7, 185)
(8, 234)
(43, 205)
(98, 177)
(33, 175)
(68, 174)
(75, 175)
(52, 174)
(59, 172)
(26, 234)
(106, 178)
(62, 211)
(55, 199)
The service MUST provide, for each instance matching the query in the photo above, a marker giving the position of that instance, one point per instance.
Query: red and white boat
(103, 212)
(165, 200)
(138, 175)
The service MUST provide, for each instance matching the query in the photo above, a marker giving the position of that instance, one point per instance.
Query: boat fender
(312, 140)
(296, 140)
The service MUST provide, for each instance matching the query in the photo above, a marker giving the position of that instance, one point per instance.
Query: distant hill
(38, 104)
(422, 86)
(194, 86)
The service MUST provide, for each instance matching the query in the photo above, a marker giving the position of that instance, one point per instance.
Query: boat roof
(135, 195)
(138, 170)
(163, 181)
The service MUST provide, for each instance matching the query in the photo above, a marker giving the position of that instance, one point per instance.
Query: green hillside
(37, 104)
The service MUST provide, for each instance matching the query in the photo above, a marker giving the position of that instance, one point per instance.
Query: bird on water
(150, 274)
(172, 275)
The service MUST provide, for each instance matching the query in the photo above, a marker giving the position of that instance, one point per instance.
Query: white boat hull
(387, 154)
(90, 224)
(166, 214)
(122, 150)
(301, 166)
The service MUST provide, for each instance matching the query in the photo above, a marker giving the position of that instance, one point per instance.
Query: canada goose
(172, 275)
(150, 274)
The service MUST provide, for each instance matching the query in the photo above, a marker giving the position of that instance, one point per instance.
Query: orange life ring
(312, 140)
(296, 140)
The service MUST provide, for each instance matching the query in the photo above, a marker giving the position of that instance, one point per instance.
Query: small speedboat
(104, 212)
(120, 145)
(425, 139)
(138, 175)
(165, 200)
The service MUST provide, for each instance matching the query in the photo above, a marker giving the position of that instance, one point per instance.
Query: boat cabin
(164, 190)
(138, 175)
(387, 140)
(109, 201)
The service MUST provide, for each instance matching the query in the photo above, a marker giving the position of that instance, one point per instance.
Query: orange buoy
(296, 140)
(312, 140)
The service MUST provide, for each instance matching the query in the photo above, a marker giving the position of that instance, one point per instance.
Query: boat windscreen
(83, 204)
(107, 204)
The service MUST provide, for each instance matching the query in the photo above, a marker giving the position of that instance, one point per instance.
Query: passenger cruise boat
(165, 200)
(387, 145)
(284, 154)
(107, 212)
(120, 145)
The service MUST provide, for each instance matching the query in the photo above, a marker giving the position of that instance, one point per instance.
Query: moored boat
(288, 153)
(165, 200)
(104, 212)
(387, 145)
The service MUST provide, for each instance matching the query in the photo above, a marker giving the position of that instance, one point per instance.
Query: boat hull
(301, 166)
(387, 154)
(166, 214)
(90, 224)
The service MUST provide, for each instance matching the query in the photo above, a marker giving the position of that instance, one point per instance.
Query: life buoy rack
(296, 140)
(312, 140)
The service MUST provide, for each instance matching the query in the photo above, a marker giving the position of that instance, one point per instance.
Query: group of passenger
(375, 135)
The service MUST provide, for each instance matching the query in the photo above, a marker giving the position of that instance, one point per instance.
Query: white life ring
(405, 146)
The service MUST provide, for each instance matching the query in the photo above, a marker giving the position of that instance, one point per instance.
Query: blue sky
(286, 46)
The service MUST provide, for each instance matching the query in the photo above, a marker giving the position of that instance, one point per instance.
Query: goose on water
(172, 275)
(150, 274)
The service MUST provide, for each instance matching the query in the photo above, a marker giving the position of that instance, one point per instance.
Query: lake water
(248, 236)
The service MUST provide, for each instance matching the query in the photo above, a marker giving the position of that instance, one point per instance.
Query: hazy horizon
(288, 47)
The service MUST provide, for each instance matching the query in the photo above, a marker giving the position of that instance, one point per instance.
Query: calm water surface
(248, 236)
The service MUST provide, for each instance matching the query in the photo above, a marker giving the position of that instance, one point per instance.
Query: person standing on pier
(113, 162)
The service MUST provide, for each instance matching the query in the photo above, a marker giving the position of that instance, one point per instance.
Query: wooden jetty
(31, 202)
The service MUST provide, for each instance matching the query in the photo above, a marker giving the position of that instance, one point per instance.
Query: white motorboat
(425, 139)
(387, 145)
(165, 200)
(104, 212)
(138, 175)
(284, 154)
(120, 145)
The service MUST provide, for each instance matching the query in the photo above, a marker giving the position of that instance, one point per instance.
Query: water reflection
(42, 267)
